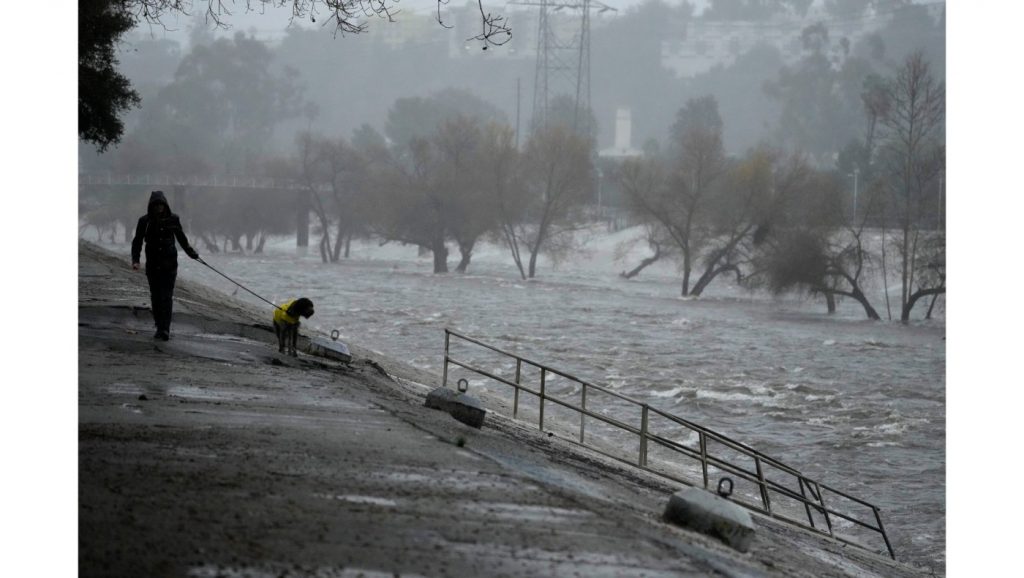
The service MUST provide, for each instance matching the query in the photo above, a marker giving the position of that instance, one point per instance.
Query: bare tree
(677, 196)
(313, 174)
(643, 181)
(469, 215)
(413, 202)
(912, 158)
(558, 178)
(701, 161)
(501, 177)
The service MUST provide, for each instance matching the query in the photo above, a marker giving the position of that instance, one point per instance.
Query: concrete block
(704, 512)
(330, 349)
(462, 407)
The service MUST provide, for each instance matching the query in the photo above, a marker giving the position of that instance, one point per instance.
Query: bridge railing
(218, 181)
(771, 487)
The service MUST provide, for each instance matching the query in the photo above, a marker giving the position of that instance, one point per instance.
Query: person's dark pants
(161, 292)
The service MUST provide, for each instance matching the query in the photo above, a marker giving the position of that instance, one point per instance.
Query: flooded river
(859, 405)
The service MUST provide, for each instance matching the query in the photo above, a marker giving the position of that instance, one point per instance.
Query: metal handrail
(757, 476)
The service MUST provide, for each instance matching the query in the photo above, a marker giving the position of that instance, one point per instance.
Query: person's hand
(135, 266)
(193, 253)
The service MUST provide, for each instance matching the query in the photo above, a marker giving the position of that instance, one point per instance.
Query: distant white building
(623, 146)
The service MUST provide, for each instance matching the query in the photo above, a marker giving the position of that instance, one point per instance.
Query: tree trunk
(236, 242)
(868, 309)
(248, 242)
(686, 272)
(643, 264)
(348, 245)
(211, 245)
(340, 234)
(885, 272)
(931, 306)
(905, 273)
(533, 261)
(912, 300)
(440, 257)
(466, 251)
(542, 234)
(513, 246)
(709, 276)
(263, 241)
(830, 302)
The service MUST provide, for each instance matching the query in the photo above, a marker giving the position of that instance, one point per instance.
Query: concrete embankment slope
(212, 455)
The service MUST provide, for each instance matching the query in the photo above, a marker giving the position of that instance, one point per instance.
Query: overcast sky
(270, 22)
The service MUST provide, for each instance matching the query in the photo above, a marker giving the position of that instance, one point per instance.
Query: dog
(286, 323)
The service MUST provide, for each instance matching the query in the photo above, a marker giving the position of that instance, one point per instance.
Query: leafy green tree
(739, 90)
(220, 111)
(414, 204)
(420, 117)
(814, 246)
(820, 96)
(104, 94)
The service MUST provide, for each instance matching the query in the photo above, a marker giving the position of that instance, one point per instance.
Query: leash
(200, 259)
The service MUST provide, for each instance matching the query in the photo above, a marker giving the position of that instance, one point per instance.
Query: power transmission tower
(563, 55)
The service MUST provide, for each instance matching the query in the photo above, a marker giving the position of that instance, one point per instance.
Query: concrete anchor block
(709, 514)
(330, 349)
(462, 407)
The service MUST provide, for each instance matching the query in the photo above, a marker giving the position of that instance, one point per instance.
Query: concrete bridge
(178, 187)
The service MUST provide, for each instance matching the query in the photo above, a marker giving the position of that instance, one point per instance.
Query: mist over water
(858, 405)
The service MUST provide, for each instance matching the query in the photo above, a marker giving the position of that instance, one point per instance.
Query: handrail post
(583, 415)
(807, 506)
(881, 529)
(543, 374)
(515, 398)
(703, 456)
(764, 488)
(643, 436)
(824, 509)
(444, 373)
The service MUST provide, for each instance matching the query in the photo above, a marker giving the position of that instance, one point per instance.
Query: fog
(746, 152)
(648, 57)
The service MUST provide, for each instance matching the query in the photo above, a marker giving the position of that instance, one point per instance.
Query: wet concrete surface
(213, 455)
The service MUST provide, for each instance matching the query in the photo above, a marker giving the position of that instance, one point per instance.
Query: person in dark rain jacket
(158, 229)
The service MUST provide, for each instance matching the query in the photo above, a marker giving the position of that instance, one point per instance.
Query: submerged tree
(501, 179)
(676, 193)
(557, 179)
(912, 159)
(469, 214)
(813, 246)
